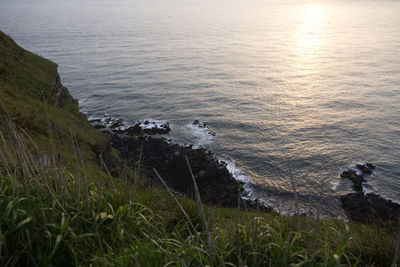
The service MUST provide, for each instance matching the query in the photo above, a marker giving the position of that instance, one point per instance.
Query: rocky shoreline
(216, 184)
(111, 125)
(363, 206)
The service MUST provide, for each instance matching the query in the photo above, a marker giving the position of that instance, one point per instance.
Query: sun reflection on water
(311, 29)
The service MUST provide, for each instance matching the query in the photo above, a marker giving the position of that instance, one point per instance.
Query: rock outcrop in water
(202, 125)
(357, 177)
(366, 207)
(142, 127)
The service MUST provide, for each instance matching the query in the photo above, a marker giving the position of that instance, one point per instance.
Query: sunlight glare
(313, 14)
(310, 33)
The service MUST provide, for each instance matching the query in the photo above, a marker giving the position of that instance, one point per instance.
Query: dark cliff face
(60, 93)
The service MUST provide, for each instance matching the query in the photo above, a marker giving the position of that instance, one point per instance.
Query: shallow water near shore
(313, 83)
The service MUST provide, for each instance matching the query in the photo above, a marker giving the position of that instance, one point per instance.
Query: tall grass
(56, 215)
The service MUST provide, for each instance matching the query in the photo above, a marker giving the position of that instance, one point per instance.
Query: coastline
(143, 143)
(217, 183)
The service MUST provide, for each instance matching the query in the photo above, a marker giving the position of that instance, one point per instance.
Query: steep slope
(32, 96)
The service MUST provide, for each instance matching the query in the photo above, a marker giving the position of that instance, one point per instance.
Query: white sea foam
(367, 189)
(82, 101)
(234, 170)
(92, 117)
(150, 124)
(334, 184)
(80, 104)
(108, 121)
(357, 170)
(238, 174)
(200, 133)
(122, 128)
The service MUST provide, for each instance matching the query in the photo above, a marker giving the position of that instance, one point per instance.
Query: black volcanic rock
(95, 121)
(369, 208)
(364, 169)
(134, 130)
(362, 207)
(355, 178)
(370, 166)
(162, 129)
(99, 126)
(118, 126)
(116, 123)
(215, 183)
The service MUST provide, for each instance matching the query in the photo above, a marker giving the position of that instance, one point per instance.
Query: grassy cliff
(60, 206)
(33, 98)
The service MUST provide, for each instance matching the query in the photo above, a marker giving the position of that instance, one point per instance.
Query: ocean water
(313, 83)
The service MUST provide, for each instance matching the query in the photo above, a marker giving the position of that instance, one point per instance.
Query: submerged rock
(203, 125)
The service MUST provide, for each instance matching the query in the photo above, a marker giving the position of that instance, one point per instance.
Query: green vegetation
(59, 206)
(34, 99)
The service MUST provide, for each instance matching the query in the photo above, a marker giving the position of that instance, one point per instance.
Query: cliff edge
(34, 99)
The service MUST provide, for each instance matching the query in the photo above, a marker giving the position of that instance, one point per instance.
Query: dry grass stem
(200, 208)
(177, 202)
(327, 258)
(108, 172)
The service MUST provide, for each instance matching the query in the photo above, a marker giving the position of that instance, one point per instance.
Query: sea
(290, 88)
